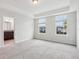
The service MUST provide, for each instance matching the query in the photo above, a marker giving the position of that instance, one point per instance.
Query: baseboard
(57, 42)
(20, 41)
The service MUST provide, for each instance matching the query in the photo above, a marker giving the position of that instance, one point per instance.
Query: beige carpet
(38, 49)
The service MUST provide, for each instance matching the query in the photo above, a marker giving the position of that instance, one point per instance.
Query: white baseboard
(20, 41)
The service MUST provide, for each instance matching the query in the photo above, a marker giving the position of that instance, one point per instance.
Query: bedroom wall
(23, 25)
(1, 32)
(50, 34)
(23, 28)
(74, 5)
(78, 28)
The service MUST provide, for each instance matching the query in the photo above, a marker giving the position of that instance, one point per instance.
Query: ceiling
(42, 6)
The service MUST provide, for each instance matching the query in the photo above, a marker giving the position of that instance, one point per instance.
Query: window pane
(61, 24)
(61, 18)
(42, 29)
(41, 25)
(42, 20)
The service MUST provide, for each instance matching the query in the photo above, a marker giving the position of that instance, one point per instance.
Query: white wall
(23, 25)
(23, 28)
(50, 34)
(1, 32)
(74, 5)
(78, 28)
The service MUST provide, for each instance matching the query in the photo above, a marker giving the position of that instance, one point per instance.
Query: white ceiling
(42, 6)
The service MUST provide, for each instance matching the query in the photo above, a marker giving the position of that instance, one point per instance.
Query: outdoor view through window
(42, 25)
(61, 24)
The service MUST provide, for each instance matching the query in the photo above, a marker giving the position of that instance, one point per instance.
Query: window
(61, 24)
(42, 26)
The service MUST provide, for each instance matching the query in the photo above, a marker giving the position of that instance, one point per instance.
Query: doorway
(8, 30)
